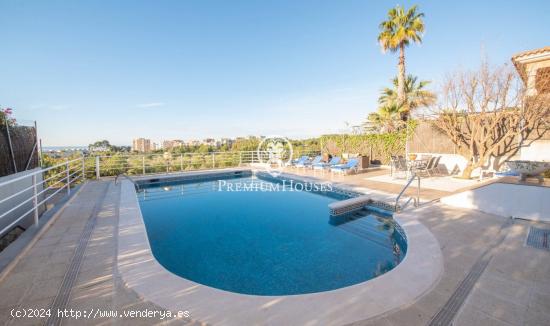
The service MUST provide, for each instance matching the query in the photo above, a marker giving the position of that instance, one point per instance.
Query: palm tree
(402, 27)
(386, 119)
(415, 95)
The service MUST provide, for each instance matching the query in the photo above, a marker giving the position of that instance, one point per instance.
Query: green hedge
(376, 146)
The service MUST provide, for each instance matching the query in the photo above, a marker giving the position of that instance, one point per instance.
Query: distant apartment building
(193, 142)
(171, 144)
(226, 141)
(210, 142)
(141, 145)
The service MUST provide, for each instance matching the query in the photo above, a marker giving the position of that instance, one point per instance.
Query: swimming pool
(265, 242)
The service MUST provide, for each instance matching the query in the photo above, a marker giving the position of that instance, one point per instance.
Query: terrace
(83, 256)
(433, 211)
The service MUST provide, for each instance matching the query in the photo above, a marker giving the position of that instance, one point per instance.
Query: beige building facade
(534, 69)
(141, 145)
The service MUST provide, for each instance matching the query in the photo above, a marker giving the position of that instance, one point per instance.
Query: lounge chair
(306, 164)
(321, 165)
(301, 160)
(351, 165)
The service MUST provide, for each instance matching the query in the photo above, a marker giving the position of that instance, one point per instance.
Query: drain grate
(448, 312)
(538, 238)
(63, 295)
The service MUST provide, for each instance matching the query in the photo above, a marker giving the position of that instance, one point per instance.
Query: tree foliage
(388, 118)
(489, 113)
(400, 29)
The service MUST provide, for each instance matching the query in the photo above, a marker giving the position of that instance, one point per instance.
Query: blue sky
(116, 70)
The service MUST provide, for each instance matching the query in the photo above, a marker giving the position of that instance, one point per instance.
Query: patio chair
(321, 165)
(429, 168)
(350, 166)
(307, 164)
(434, 170)
(423, 169)
(397, 164)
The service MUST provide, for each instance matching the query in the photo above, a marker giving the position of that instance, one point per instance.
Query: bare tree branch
(487, 113)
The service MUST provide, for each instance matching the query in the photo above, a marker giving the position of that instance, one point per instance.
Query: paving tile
(44, 289)
(51, 271)
(5, 315)
(373, 322)
(498, 308)
(514, 286)
(537, 318)
(30, 263)
(469, 316)
(409, 316)
(49, 241)
(540, 303)
(432, 302)
(12, 294)
(19, 278)
(506, 289)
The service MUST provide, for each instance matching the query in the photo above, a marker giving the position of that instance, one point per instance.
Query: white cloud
(151, 105)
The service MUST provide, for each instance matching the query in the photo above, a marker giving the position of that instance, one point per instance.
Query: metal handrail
(415, 199)
(39, 171)
(69, 174)
(144, 163)
(127, 177)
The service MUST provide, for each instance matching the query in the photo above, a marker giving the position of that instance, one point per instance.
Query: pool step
(365, 229)
(357, 203)
(349, 205)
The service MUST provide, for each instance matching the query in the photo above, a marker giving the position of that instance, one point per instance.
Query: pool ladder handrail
(127, 177)
(416, 199)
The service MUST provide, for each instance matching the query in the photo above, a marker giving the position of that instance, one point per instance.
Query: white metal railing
(39, 187)
(415, 199)
(141, 164)
(44, 185)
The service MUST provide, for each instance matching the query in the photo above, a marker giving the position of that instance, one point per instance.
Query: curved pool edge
(419, 271)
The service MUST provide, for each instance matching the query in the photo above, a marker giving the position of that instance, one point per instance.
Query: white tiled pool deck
(513, 289)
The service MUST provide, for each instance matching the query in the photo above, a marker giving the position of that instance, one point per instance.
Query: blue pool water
(265, 243)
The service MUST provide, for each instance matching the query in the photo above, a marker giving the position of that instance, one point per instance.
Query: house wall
(519, 201)
(539, 150)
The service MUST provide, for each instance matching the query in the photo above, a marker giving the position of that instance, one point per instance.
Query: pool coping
(416, 275)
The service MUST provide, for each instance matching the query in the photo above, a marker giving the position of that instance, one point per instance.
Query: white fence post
(240, 158)
(143, 163)
(83, 168)
(35, 199)
(68, 178)
(97, 171)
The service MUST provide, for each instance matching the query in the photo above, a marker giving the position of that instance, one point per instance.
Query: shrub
(376, 146)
